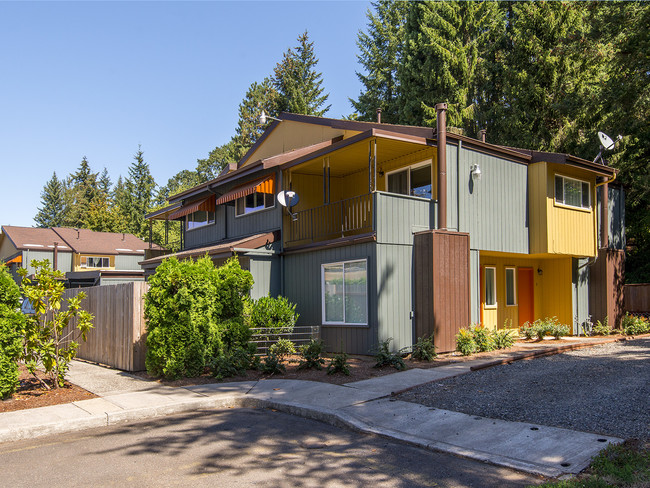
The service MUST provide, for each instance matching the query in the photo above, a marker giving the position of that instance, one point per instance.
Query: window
(253, 203)
(490, 287)
(199, 219)
(345, 293)
(573, 193)
(94, 262)
(414, 181)
(510, 287)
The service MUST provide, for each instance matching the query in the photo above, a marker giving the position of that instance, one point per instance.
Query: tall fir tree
(82, 190)
(380, 54)
(52, 212)
(442, 59)
(139, 187)
(298, 83)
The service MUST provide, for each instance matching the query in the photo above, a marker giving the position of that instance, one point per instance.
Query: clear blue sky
(96, 79)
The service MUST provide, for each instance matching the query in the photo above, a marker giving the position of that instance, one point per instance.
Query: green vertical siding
(64, 260)
(266, 274)
(302, 275)
(397, 217)
(128, 262)
(254, 223)
(580, 292)
(493, 210)
(395, 294)
(475, 285)
(616, 217)
(204, 236)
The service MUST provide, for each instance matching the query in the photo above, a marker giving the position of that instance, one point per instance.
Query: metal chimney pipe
(441, 128)
(379, 116)
(483, 133)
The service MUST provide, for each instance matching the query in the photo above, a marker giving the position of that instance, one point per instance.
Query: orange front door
(526, 295)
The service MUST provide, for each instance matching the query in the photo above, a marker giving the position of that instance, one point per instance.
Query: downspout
(441, 134)
(56, 256)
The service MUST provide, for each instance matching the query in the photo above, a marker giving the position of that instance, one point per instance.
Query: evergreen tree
(297, 82)
(443, 55)
(52, 212)
(380, 55)
(137, 195)
(82, 190)
(209, 168)
(104, 184)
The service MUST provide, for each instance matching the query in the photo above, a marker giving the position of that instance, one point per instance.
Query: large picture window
(198, 219)
(414, 181)
(253, 203)
(345, 293)
(94, 262)
(573, 193)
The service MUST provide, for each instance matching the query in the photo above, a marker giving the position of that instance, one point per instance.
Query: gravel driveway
(602, 389)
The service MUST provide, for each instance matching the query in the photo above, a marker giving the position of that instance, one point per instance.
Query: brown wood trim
(344, 241)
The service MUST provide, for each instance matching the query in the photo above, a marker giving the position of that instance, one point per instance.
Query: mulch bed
(32, 394)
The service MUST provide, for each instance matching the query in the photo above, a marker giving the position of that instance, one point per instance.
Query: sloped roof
(71, 240)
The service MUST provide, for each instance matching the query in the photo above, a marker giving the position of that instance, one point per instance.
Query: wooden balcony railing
(339, 219)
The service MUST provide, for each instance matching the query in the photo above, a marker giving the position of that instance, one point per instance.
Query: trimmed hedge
(11, 327)
(194, 312)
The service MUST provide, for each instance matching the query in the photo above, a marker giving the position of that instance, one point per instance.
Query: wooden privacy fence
(637, 298)
(118, 336)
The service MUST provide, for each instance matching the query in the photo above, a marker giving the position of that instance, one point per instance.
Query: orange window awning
(261, 185)
(207, 205)
(17, 259)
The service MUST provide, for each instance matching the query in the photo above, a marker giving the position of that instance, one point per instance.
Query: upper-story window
(572, 192)
(198, 219)
(94, 262)
(253, 203)
(414, 180)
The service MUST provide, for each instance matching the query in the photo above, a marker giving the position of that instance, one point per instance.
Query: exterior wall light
(476, 172)
(264, 118)
(540, 272)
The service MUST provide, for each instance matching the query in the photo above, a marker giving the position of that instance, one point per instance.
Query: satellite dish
(607, 144)
(606, 141)
(288, 198)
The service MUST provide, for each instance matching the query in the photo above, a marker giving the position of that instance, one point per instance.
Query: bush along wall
(194, 312)
(12, 323)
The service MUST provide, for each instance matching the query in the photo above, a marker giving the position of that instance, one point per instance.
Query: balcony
(392, 217)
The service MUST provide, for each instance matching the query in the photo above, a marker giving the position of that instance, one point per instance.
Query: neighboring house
(402, 231)
(87, 258)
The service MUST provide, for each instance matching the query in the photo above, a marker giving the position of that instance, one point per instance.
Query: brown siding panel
(442, 282)
(637, 298)
(606, 278)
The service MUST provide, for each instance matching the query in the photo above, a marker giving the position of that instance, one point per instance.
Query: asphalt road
(237, 447)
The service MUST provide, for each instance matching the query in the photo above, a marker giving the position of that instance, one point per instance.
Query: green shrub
(311, 355)
(48, 342)
(482, 338)
(528, 330)
(282, 348)
(339, 364)
(559, 330)
(602, 328)
(12, 323)
(503, 339)
(423, 349)
(273, 313)
(271, 364)
(194, 312)
(234, 362)
(384, 357)
(465, 343)
(635, 325)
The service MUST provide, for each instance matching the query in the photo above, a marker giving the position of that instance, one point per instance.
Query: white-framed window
(414, 180)
(200, 218)
(94, 262)
(572, 192)
(490, 287)
(511, 287)
(345, 292)
(254, 202)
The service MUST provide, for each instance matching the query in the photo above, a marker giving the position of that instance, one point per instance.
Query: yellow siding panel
(537, 208)
(290, 135)
(553, 289)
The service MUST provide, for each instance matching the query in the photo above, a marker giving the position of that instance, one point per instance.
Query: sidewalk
(365, 406)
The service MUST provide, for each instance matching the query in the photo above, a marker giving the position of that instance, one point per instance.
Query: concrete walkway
(365, 406)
